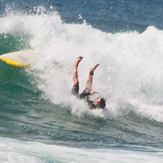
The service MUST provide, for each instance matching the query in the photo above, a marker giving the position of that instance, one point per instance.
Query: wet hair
(101, 104)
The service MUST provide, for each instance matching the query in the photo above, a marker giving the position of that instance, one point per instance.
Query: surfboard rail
(23, 59)
(14, 63)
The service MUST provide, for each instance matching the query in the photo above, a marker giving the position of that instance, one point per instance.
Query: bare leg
(75, 73)
(90, 79)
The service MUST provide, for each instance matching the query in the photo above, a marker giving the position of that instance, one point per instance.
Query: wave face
(37, 105)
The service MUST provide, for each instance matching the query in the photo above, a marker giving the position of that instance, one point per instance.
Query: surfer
(98, 102)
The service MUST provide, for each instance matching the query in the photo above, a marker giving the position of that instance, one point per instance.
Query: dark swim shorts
(75, 89)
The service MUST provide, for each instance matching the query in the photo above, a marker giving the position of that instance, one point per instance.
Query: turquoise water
(40, 121)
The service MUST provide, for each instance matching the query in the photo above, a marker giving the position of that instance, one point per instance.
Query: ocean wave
(130, 69)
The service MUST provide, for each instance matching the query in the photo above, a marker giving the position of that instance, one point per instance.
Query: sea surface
(41, 122)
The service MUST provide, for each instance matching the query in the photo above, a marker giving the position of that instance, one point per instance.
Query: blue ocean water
(40, 121)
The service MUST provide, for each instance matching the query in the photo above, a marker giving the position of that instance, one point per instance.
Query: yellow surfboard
(13, 63)
(23, 59)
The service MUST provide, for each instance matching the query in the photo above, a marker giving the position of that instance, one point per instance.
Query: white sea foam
(130, 72)
(14, 151)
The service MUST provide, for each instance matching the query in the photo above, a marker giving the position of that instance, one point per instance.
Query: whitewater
(17, 151)
(130, 63)
(129, 78)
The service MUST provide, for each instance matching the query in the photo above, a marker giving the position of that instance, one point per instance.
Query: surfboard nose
(23, 59)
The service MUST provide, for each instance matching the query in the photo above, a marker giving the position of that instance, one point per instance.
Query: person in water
(98, 102)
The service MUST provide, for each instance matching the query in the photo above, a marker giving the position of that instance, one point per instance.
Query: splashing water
(130, 72)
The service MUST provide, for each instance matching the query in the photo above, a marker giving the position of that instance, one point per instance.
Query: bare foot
(78, 60)
(94, 67)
